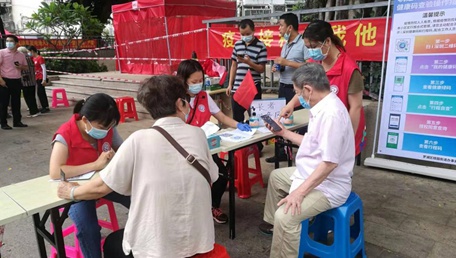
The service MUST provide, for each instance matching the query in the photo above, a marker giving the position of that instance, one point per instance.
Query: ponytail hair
(98, 107)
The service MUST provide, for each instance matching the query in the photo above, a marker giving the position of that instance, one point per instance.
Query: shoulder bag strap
(190, 158)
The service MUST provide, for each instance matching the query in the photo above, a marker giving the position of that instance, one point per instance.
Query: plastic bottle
(289, 120)
(254, 121)
(207, 83)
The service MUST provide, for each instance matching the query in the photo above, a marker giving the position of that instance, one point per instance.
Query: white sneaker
(35, 115)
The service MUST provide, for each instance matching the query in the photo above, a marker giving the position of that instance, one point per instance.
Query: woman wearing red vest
(343, 73)
(86, 143)
(202, 107)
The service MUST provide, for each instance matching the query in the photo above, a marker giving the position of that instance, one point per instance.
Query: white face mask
(195, 88)
(247, 38)
(10, 45)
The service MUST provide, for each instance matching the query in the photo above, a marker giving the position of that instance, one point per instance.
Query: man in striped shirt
(249, 53)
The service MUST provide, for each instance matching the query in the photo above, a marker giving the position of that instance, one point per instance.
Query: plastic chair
(56, 101)
(218, 252)
(127, 108)
(244, 181)
(348, 239)
(75, 251)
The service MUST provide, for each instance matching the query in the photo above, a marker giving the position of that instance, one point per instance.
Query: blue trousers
(84, 216)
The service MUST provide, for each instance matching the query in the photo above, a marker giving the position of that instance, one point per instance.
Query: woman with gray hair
(170, 193)
(29, 84)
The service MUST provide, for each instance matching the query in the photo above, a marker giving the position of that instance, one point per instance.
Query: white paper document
(85, 176)
(236, 135)
(210, 128)
(263, 130)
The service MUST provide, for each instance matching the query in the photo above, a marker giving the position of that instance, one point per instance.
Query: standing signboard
(419, 108)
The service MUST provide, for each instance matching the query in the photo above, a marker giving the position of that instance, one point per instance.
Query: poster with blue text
(419, 104)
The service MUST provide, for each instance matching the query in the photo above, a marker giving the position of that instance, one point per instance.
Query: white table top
(9, 210)
(213, 92)
(37, 195)
(301, 119)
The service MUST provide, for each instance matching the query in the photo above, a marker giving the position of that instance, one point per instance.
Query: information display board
(419, 105)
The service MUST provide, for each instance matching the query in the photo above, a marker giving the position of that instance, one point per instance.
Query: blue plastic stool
(337, 220)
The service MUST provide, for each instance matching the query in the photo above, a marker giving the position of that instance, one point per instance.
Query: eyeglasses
(187, 98)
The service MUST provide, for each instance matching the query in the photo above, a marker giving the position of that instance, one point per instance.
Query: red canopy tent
(146, 20)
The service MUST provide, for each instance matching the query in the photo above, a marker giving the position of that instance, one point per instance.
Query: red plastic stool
(128, 111)
(56, 101)
(218, 252)
(243, 182)
(75, 251)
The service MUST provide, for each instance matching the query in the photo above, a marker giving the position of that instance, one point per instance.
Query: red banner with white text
(363, 39)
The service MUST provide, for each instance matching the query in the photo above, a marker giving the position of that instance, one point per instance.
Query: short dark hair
(98, 107)
(187, 68)
(311, 74)
(319, 30)
(247, 22)
(290, 19)
(159, 94)
(33, 48)
(14, 37)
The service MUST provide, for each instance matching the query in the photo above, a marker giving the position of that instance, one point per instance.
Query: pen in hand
(62, 176)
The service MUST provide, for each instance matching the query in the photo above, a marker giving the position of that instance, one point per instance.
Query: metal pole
(167, 41)
(381, 79)
(208, 26)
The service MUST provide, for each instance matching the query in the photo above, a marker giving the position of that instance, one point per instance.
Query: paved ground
(405, 215)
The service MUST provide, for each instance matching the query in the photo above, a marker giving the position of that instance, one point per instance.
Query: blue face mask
(195, 88)
(10, 45)
(316, 53)
(247, 39)
(286, 36)
(304, 103)
(96, 133)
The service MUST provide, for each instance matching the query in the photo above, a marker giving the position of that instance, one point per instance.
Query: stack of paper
(236, 135)
(210, 128)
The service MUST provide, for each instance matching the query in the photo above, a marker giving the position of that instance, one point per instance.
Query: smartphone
(16, 63)
(240, 56)
(267, 119)
(62, 176)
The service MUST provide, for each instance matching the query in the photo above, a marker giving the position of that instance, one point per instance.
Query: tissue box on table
(213, 141)
(210, 129)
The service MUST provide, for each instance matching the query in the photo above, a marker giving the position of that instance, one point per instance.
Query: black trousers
(286, 91)
(238, 110)
(12, 92)
(30, 99)
(112, 247)
(219, 186)
(41, 92)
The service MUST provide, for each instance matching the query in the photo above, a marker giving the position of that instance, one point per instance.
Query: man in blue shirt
(294, 54)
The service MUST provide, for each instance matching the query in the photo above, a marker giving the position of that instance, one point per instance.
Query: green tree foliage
(100, 8)
(61, 23)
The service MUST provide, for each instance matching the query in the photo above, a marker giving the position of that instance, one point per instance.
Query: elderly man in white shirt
(321, 179)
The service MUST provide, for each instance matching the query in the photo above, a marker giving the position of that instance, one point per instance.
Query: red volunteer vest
(200, 113)
(81, 151)
(339, 78)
